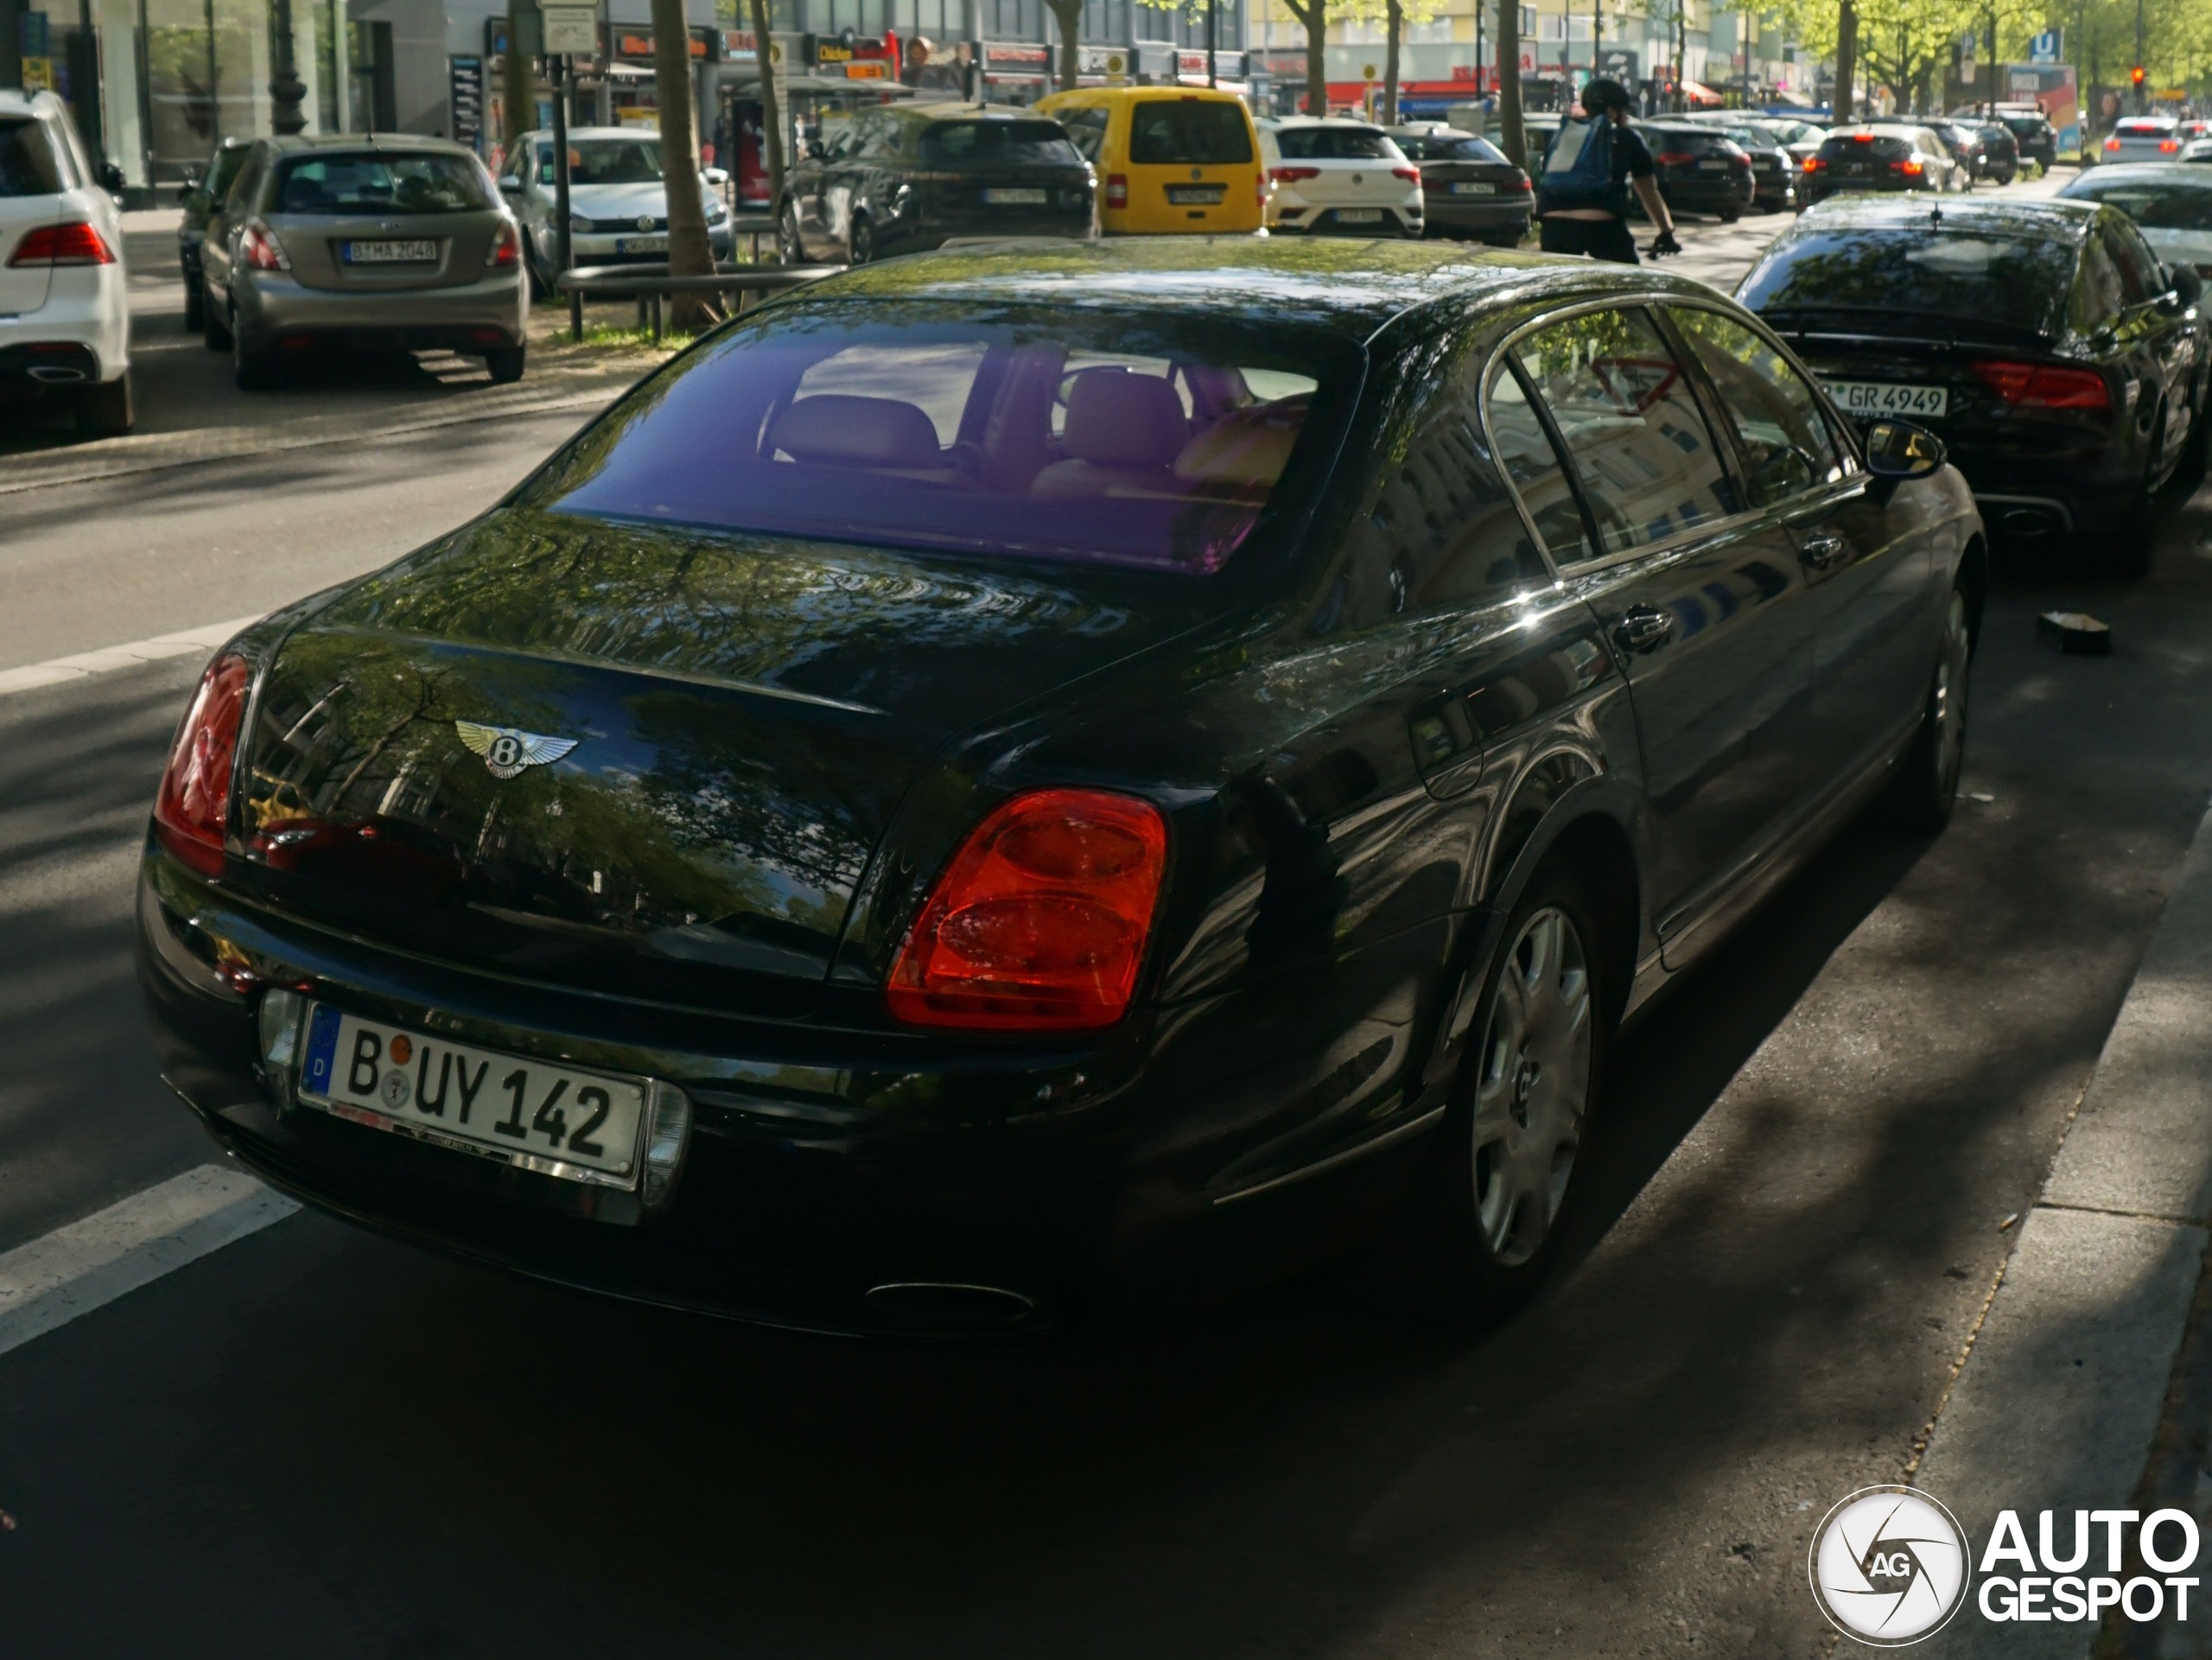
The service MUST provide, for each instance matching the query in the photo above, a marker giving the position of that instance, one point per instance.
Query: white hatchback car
(2144, 138)
(1337, 177)
(65, 312)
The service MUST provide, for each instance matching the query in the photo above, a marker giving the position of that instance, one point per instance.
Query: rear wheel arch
(1973, 577)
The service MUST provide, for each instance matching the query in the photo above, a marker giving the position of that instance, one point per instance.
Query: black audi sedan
(2064, 366)
(906, 178)
(1006, 773)
(1469, 189)
(1879, 159)
(1699, 170)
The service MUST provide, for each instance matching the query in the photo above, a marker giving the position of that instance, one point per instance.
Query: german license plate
(1465, 189)
(1885, 397)
(1358, 215)
(1194, 196)
(390, 254)
(1855, 169)
(1015, 196)
(641, 245)
(582, 1126)
(1713, 167)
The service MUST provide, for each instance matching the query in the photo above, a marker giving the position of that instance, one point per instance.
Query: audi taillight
(1293, 174)
(1814, 164)
(190, 812)
(1039, 922)
(505, 250)
(1117, 190)
(2045, 386)
(1911, 169)
(63, 245)
(1412, 175)
(259, 248)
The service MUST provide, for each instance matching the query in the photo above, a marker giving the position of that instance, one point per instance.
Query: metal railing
(651, 284)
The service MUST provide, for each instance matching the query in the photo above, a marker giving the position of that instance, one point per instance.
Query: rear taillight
(259, 248)
(1117, 190)
(2045, 386)
(505, 250)
(1260, 190)
(1520, 184)
(1814, 164)
(63, 245)
(1911, 169)
(1412, 175)
(1039, 922)
(190, 812)
(2112, 142)
(1675, 158)
(1293, 174)
(1862, 137)
(2168, 145)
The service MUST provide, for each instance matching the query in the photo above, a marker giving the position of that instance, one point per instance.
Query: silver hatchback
(363, 243)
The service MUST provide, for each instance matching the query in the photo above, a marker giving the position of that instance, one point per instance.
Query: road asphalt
(1813, 1161)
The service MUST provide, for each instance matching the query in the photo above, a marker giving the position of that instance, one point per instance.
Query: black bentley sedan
(2065, 366)
(1002, 772)
(906, 178)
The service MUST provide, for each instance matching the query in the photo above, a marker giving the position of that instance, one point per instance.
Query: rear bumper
(1304, 220)
(85, 316)
(1715, 196)
(918, 233)
(1478, 212)
(271, 306)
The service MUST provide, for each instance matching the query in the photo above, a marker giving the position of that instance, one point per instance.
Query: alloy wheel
(1950, 695)
(1532, 1086)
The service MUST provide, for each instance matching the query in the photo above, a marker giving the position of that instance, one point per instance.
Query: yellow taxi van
(1169, 159)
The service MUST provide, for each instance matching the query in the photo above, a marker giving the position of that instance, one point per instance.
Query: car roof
(2184, 173)
(393, 143)
(2026, 216)
(1350, 286)
(13, 102)
(1281, 121)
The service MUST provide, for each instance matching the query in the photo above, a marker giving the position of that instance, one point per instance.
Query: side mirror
(111, 178)
(1898, 449)
(2186, 283)
(510, 187)
(715, 176)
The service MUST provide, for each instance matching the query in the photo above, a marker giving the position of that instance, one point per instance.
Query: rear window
(2153, 206)
(1879, 147)
(343, 185)
(1098, 439)
(1464, 149)
(2145, 128)
(2015, 282)
(998, 143)
(1334, 144)
(1188, 131)
(28, 166)
(1687, 141)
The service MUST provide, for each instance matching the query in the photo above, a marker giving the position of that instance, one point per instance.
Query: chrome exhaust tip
(55, 375)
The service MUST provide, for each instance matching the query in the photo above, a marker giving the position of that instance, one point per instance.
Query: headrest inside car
(1116, 418)
(840, 430)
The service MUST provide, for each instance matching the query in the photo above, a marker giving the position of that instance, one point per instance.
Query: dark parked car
(1773, 169)
(1967, 147)
(1879, 159)
(2038, 139)
(1001, 772)
(1468, 188)
(1699, 171)
(901, 179)
(2000, 151)
(199, 201)
(2064, 365)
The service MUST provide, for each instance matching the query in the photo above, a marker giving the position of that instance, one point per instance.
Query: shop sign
(465, 92)
(573, 30)
(856, 57)
(1286, 64)
(635, 45)
(1228, 66)
(737, 46)
(1109, 60)
(1017, 58)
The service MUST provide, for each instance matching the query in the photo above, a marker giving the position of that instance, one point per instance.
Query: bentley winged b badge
(507, 750)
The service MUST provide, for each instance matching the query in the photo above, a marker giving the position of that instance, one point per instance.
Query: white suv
(65, 313)
(1339, 176)
(2144, 138)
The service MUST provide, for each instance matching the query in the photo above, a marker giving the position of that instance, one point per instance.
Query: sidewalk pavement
(2057, 1404)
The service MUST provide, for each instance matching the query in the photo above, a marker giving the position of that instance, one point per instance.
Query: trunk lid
(456, 245)
(679, 752)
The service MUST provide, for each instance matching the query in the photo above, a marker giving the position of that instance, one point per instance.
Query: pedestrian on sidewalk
(1582, 192)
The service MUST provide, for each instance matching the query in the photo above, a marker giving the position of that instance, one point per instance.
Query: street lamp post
(286, 118)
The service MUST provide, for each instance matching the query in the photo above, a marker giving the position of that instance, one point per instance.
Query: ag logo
(506, 750)
(1889, 1566)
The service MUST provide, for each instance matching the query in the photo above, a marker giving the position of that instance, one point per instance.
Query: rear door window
(1524, 449)
(28, 163)
(1787, 448)
(1642, 453)
(1188, 132)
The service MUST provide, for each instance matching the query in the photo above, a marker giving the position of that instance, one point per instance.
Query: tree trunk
(772, 118)
(1393, 29)
(1847, 60)
(1314, 15)
(689, 252)
(1068, 14)
(518, 102)
(1510, 138)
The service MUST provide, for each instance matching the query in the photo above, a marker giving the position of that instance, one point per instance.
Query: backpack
(1579, 169)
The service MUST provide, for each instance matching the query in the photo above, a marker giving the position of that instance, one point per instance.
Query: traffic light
(2135, 76)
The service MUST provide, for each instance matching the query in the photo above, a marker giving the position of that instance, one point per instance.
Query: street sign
(571, 30)
(1367, 71)
(2048, 47)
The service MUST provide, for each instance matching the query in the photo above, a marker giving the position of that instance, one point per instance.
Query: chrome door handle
(1825, 549)
(1644, 628)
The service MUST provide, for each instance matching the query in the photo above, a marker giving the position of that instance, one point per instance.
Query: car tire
(860, 240)
(195, 309)
(1487, 1209)
(215, 331)
(539, 287)
(1928, 787)
(1730, 215)
(104, 410)
(790, 248)
(505, 364)
(1503, 239)
(250, 370)
(2126, 546)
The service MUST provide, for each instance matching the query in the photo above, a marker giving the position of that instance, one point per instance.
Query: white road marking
(77, 1268)
(57, 671)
